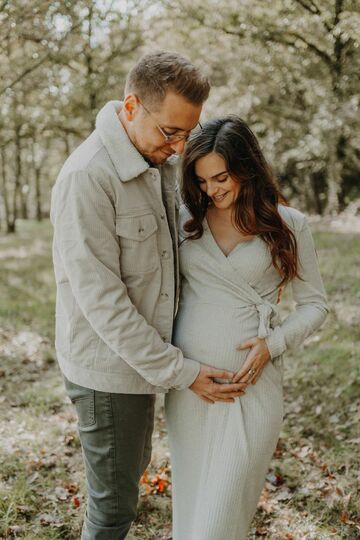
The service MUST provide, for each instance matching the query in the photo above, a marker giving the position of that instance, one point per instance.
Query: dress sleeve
(309, 295)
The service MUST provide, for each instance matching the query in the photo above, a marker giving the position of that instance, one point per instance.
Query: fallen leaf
(283, 495)
(345, 519)
(61, 493)
(47, 519)
(69, 439)
(76, 502)
(72, 487)
(261, 531)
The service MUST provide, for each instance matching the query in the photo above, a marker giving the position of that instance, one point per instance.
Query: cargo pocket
(139, 252)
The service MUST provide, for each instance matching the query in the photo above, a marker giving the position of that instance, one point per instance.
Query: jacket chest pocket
(138, 243)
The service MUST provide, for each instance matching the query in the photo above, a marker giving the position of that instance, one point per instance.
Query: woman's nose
(211, 190)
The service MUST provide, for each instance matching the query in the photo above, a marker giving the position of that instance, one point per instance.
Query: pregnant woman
(240, 245)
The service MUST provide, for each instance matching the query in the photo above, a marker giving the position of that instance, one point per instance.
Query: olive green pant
(115, 434)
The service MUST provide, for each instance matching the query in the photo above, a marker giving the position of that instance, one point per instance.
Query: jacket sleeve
(311, 306)
(83, 217)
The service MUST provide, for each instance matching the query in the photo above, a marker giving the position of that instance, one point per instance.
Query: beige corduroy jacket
(116, 266)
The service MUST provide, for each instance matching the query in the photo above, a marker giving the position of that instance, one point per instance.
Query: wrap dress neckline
(207, 230)
(243, 291)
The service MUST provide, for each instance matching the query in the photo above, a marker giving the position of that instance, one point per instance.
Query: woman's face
(214, 179)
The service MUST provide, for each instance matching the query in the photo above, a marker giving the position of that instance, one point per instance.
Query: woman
(240, 244)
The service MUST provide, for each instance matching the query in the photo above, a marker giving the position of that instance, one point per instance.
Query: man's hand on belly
(210, 391)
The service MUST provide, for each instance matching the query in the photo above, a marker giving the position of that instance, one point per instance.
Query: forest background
(291, 69)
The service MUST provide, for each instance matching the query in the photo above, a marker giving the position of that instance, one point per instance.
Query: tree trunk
(39, 214)
(15, 195)
(315, 186)
(90, 70)
(67, 145)
(37, 176)
(336, 150)
(4, 191)
(309, 202)
(17, 187)
(9, 217)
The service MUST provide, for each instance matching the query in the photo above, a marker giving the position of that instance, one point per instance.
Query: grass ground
(311, 489)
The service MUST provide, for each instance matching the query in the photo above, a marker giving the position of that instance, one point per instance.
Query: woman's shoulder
(184, 216)
(295, 219)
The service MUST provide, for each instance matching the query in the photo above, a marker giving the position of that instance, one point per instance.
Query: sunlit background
(291, 69)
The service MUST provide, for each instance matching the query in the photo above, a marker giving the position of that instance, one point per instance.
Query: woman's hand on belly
(255, 362)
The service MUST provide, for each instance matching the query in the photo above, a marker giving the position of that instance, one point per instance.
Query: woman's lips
(220, 197)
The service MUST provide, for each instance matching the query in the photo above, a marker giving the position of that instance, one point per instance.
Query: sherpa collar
(128, 162)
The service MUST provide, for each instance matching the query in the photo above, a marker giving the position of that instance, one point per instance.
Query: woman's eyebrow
(218, 174)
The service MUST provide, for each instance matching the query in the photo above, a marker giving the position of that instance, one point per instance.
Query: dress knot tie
(265, 311)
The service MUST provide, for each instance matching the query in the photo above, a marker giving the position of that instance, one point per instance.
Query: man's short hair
(157, 73)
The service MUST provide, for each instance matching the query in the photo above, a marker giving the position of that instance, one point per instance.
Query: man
(116, 265)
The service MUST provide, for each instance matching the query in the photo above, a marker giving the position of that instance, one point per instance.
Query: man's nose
(178, 147)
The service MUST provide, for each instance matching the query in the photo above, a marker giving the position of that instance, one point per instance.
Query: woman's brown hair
(256, 208)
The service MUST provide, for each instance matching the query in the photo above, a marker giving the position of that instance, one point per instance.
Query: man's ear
(131, 106)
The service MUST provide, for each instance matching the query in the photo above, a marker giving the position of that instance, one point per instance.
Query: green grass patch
(314, 494)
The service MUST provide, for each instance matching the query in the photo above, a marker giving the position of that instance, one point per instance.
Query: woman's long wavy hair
(256, 208)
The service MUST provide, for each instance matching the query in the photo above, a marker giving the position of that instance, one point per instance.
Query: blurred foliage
(290, 68)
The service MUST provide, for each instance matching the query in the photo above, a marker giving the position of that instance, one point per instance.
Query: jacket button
(164, 295)
(162, 216)
(165, 254)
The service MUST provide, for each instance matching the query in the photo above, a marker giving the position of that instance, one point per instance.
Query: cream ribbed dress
(220, 453)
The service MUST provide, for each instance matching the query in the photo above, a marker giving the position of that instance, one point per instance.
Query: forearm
(299, 325)
(310, 298)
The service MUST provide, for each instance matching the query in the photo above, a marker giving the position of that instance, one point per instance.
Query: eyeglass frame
(168, 138)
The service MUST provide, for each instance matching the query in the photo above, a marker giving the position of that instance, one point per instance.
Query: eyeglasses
(169, 138)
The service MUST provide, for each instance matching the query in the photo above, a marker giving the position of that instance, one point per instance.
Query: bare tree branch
(312, 8)
(120, 50)
(283, 37)
(276, 35)
(3, 5)
(31, 37)
(309, 6)
(64, 129)
(43, 59)
(339, 6)
(24, 73)
(4, 144)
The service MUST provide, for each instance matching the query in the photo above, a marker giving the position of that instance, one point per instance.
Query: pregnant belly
(210, 333)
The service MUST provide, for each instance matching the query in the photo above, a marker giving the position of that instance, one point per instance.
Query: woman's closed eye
(219, 181)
